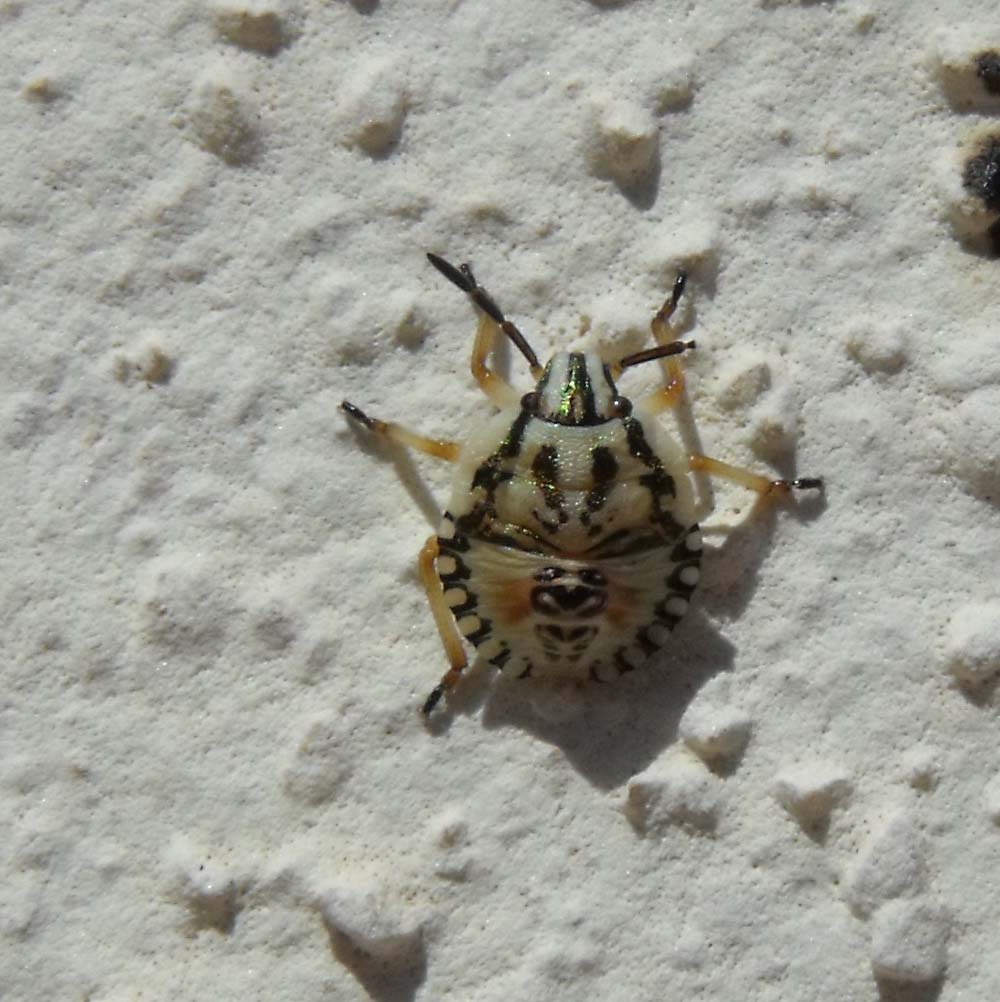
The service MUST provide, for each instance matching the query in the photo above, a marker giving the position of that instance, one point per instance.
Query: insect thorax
(569, 548)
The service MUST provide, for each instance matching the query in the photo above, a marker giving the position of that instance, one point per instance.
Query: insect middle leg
(439, 448)
(445, 622)
(754, 481)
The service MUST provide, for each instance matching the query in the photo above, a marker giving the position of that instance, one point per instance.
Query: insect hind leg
(451, 639)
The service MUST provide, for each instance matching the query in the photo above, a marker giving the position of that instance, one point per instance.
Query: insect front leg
(494, 386)
(753, 481)
(491, 322)
(451, 639)
(439, 448)
(671, 393)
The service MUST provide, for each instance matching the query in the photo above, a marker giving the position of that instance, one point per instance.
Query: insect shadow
(610, 732)
(408, 473)
(889, 991)
(619, 728)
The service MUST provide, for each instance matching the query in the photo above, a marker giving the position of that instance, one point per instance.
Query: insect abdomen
(537, 613)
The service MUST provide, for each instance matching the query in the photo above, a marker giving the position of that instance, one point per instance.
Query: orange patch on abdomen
(509, 603)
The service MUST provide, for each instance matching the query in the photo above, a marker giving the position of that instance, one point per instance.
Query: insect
(570, 545)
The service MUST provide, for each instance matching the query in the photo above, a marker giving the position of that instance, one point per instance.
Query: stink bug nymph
(570, 546)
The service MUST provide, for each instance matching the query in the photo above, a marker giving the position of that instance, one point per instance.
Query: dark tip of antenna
(660, 351)
(451, 273)
(465, 280)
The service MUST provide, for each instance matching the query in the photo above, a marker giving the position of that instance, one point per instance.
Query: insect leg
(491, 322)
(445, 622)
(754, 481)
(495, 387)
(400, 435)
(663, 333)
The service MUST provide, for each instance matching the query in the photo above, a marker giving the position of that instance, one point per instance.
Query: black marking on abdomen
(482, 511)
(499, 660)
(568, 600)
(470, 604)
(624, 543)
(545, 470)
(649, 647)
(459, 574)
(662, 489)
(511, 445)
(482, 633)
(492, 472)
(455, 543)
(658, 482)
(682, 551)
(677, 584)
(579, 637)
(669, 619)
(637, 444)
(622, 663)
(604, 469)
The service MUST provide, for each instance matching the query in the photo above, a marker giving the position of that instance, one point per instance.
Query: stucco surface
(214, 777)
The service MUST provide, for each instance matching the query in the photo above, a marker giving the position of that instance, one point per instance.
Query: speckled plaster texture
(214, 778)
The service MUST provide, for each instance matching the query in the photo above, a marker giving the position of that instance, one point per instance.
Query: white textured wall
(215, 781)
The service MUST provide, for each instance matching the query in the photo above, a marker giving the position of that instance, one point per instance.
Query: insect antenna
(660, 351)
(462, 277)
